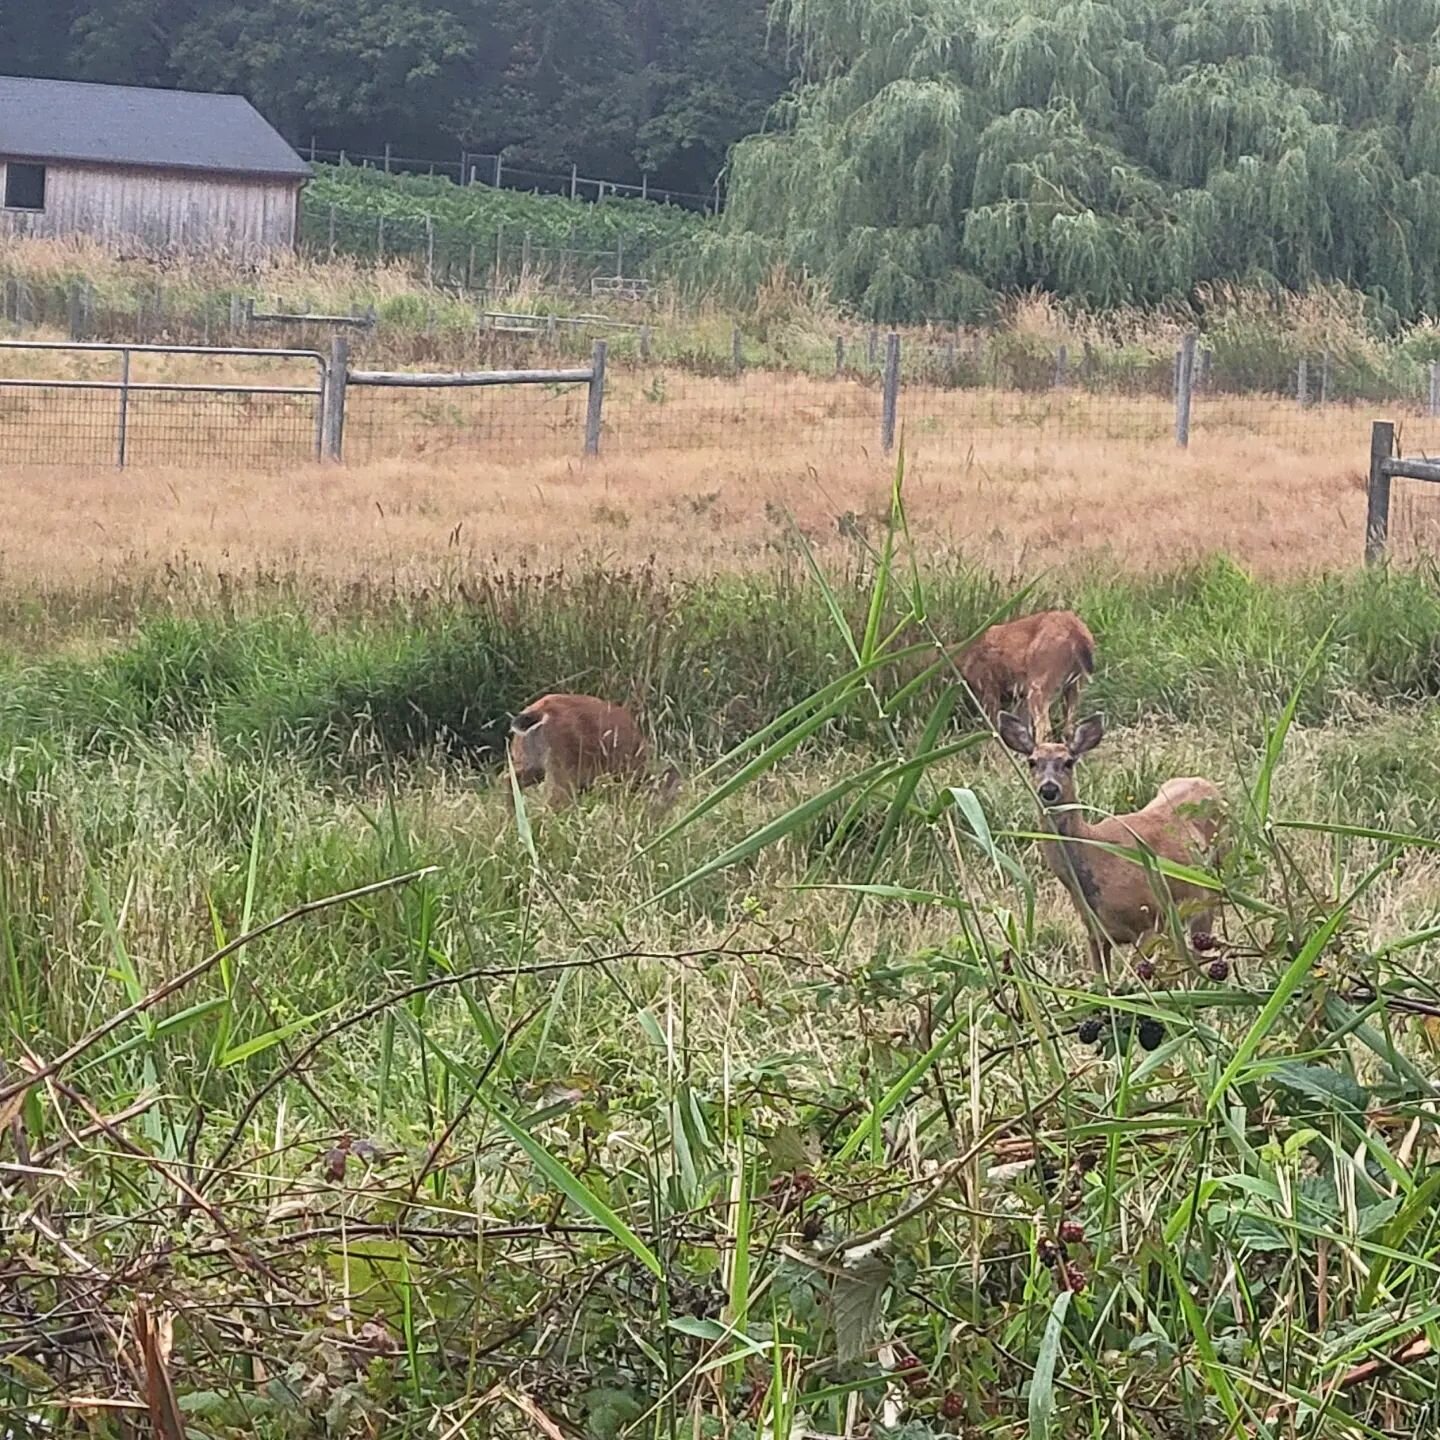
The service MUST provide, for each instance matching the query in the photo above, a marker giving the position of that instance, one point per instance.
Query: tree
(936, 150)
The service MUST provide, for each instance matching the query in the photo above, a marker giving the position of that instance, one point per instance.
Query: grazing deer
(1112, 893)
(574, 740)
(1030, 662)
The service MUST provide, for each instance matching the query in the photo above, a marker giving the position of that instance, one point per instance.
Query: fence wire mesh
(508, 424)
(675, 385)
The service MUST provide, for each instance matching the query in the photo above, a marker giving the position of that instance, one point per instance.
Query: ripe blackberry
(1204, 942)
(1152, 1033)
(1218, 970)
(1047, 1252)
(1088, 1031)
(952, 1407)
(1145, 970)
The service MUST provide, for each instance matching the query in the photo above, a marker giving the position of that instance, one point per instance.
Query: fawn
(1030, 661)
(574, 740)
(1112, 893)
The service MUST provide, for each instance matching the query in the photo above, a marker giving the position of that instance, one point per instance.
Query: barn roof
(125, 125)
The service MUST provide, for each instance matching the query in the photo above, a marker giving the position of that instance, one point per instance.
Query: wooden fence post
(1302, 383)
(1062, 367)
(332, 402)
(1434, 407)
(1184, 387)
(596, 398)
(891, 400)
(1377, 502)
(737, 353)
(839, 354)
(645, 343)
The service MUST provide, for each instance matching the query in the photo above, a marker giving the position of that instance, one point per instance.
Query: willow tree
(933, 151)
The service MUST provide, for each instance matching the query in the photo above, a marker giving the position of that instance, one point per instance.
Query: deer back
(575, 739)
(1180, 824)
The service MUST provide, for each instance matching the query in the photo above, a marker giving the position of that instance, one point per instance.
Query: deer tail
(527, 720)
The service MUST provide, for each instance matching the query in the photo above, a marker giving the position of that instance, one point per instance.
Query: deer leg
(1099, 952)
(563, 788)
(1072, 703)
(1037, 702)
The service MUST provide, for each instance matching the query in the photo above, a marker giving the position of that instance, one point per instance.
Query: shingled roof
(59, 120)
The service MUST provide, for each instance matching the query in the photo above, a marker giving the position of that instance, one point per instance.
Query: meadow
(347, 1091)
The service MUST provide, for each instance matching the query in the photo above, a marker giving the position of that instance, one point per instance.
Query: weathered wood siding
(162, 210)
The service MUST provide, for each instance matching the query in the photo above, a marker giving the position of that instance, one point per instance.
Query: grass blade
(579, 1194)
(1041, 1409)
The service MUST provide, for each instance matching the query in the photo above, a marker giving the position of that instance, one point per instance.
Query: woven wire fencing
(955, 400)
(499, 425)
(104, 405)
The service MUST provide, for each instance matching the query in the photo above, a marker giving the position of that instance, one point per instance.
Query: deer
(1114, 894)
(1031, 662)
(574, 740)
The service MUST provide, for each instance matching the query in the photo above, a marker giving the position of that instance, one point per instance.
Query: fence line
(476, 167)
(514, 385)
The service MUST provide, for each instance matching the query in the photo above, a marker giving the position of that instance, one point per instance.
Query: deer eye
(1070, 762)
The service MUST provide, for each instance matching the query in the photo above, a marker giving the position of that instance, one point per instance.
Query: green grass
(504, 1123)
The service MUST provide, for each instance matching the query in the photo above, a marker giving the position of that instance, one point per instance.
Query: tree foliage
(614, 86)
(1114, 151)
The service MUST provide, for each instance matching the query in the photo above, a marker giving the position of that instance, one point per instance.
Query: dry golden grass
(704, 480)
(699, 471)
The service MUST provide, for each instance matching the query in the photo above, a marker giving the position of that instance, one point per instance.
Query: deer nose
(1049, 792)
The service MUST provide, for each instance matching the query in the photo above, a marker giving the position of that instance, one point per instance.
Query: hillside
(942, 150)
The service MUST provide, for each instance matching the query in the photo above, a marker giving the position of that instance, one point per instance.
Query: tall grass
(775, 1118)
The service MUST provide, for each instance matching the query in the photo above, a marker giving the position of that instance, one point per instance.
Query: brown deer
(1030, 662)
(1114, 894)
(574, 740)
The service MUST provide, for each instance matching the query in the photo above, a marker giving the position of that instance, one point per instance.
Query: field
(347, 1093)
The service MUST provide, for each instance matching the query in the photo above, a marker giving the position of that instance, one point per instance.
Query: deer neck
(1072, 861)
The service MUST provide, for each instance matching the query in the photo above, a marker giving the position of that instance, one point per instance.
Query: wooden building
(149, 171)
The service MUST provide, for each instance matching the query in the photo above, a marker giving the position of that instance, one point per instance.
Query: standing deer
(1112, 893)
(574, 740)
(1030, 662)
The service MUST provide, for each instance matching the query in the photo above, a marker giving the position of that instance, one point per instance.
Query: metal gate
(102, 404)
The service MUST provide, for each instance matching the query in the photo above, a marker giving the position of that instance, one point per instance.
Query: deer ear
(1088, 734)
(1016, 733)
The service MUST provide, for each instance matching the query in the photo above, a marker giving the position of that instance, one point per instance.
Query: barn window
(24, 187)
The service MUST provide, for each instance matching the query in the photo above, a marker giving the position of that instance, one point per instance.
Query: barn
(155, 171)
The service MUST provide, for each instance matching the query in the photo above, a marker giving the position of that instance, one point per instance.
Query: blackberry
(1072, 1232)
(1088, 1031)
(1218, 970)
(1152, 1033)
(1145, 970)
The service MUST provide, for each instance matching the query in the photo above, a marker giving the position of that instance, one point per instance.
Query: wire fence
(474, 167)
(469, 258)
(960, 404)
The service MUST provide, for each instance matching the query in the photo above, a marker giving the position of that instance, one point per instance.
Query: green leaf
(579, 1195)
(899, 1090)
(1041, 1407)
(857, 1298)
(807, 810)
(1275, 740)
(261, 1043)
(1295, 975)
